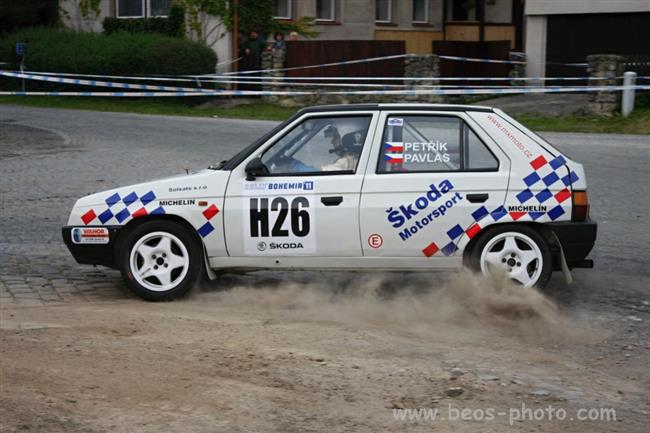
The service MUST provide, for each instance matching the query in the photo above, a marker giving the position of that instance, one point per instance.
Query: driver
(347, 149)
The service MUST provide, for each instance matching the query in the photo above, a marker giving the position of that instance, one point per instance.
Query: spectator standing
(252, 51)
(279, 42)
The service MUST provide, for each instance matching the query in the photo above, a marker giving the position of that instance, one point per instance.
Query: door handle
(477, 198)
(332, 201)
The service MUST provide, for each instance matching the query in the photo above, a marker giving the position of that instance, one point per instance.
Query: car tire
(519, 250)
(161, 260)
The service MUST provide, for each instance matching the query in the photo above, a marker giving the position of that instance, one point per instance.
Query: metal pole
(22, 70)
(627, 104)
(235, 39)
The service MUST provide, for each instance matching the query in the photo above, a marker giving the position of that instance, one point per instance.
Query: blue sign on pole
(21, 48)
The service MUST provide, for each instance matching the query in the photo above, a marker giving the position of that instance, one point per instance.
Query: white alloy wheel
(517, 254)
(159, 261)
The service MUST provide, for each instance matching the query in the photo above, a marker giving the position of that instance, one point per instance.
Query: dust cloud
(425, 303)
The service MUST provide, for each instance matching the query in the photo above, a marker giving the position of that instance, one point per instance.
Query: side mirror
(256, 168)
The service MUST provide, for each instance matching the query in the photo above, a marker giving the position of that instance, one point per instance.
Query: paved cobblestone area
(49, 158)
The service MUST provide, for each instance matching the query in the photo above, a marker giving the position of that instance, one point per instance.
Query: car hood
(206, 183)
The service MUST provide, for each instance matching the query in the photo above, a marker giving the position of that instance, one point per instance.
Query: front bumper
(93, 254)
(577, 240)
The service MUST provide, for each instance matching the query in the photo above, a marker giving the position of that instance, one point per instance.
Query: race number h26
(262, 216)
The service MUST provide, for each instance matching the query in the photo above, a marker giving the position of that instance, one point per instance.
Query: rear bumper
(577, 240)
(91, 254)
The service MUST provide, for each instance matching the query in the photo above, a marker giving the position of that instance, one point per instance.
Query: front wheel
(160, 260)
(521, 252)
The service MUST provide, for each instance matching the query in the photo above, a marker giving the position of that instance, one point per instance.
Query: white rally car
(359, 187)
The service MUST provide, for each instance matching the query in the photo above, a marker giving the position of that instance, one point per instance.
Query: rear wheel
(160, 260)
(521, 252)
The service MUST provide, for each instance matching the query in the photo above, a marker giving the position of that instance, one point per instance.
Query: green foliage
(89, 6)
(251, 15)
(56, 50)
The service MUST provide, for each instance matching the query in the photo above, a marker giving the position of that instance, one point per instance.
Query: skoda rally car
(377, 186)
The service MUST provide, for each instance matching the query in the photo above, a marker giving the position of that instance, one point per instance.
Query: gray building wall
(552, 7)
(71, 16)
(355, 19)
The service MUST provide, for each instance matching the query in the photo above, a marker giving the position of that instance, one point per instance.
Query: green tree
(251, 14)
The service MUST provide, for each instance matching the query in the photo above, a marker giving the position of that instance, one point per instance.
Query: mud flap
(206, 265)
(568, 279)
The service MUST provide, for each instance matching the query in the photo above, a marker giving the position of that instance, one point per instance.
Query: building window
(498, 11)
(282, 9)
(159, 8)
(130, 8)
(142, 8)
(461, 10)
(325, 10)
(420, 11)
(383, 11)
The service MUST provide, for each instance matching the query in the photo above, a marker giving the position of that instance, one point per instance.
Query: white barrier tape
(473, 59)
(420, 78)
(129, 86)
(191, 79)
(503, 91)
(579, 65)
(397, 56)
(215, 78)
(229, 62)
(228, 80)
(323, 65)
(95, 83)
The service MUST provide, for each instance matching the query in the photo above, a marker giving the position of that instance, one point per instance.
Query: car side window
(477, 155)
(422, 143)
(319, 145)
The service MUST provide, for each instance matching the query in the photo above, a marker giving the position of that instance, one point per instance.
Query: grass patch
(637, 123)
(164, 106)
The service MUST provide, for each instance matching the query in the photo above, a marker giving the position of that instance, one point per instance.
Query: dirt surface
(346, 354)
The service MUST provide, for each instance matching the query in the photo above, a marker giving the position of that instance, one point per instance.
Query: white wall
(553, 7)
(216, 36)
(536, 46)
(71, 17)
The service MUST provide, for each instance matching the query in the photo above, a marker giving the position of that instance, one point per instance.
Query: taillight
(580, 206)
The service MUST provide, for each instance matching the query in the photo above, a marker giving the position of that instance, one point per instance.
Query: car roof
(395, 106)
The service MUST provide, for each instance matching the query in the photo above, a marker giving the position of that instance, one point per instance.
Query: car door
(430, 177)
(308, 203)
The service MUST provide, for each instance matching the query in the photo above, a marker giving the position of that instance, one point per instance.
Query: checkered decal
(545, 173)
(208, 228)
(481, 219)
(120, 209)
